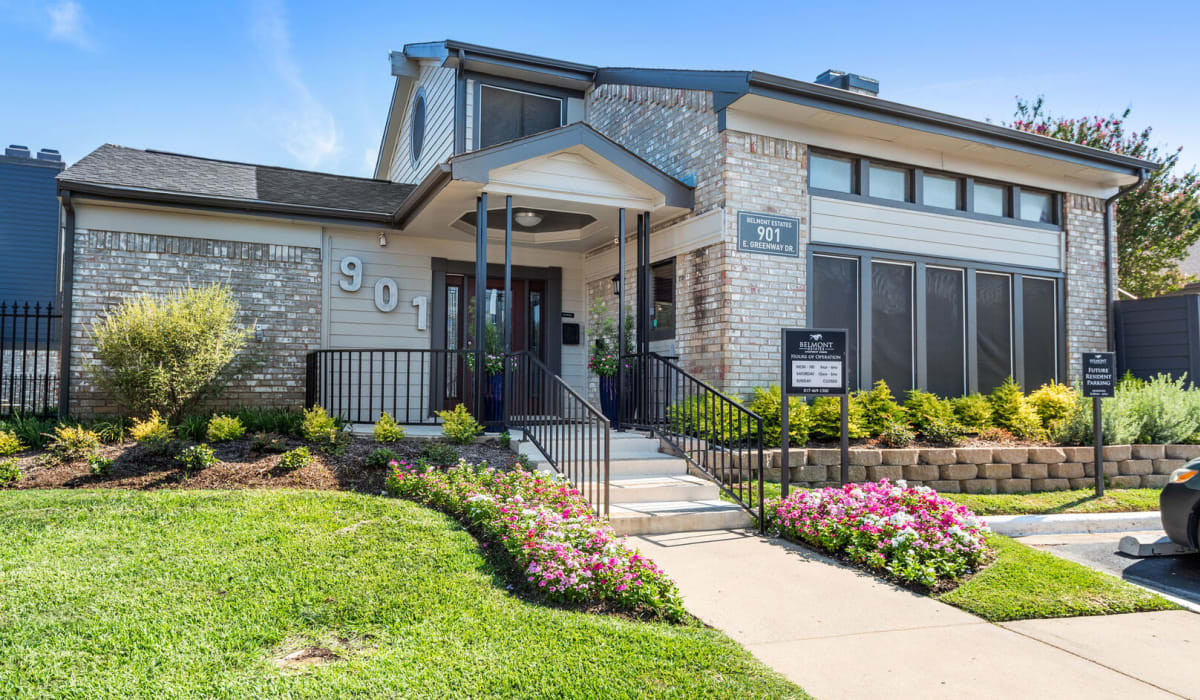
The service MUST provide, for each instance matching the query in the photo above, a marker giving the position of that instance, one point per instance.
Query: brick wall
(278, 288)
(1085, 300)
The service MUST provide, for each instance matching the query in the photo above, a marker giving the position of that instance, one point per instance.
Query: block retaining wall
(988, 469)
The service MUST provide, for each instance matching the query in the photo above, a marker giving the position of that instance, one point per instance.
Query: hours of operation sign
(769, 234)
(814, 361)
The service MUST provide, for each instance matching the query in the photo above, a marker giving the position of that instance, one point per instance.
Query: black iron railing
(29, 358)
(715, 433)
(571, 433)
(410, 385)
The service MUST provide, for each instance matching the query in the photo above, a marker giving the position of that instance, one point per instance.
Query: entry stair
(652, 492)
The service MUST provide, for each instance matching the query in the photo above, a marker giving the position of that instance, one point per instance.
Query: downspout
(1110, 313)
(64, 304)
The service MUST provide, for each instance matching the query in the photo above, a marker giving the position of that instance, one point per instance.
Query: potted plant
(604, 359)
(493, 369)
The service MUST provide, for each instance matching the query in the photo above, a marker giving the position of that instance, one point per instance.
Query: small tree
(166, 354)
(1157, 222)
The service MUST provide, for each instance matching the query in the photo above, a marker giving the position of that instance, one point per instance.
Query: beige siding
(439, 126)
(863, 225)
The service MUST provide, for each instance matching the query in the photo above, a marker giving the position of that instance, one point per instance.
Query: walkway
(841, 633)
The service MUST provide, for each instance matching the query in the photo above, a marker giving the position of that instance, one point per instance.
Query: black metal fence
(715, 433)
(29, 358)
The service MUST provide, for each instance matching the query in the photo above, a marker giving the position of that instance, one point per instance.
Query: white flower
(902, 483)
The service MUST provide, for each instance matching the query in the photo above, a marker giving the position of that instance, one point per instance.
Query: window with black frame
(993, 323)
(835, 303)
(662, 314)
(506, 114)
(892, 324)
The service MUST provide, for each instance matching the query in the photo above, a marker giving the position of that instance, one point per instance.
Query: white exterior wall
(439, 125)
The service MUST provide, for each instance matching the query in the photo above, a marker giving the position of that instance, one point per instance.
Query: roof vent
(849, 81)
(49, 154)
(16, 151)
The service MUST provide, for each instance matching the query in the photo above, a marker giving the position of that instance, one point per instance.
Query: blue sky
(307, 84)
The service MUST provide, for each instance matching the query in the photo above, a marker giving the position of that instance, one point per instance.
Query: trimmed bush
(896, 434)
(709, 420)
(825, 419)
(459, 426)
(387, 430)
(922, 408)
(154, 434)
(166, 354)
(10, 444)
(768, 403)
(877, 408)
(10, 473)
(1053, 403)
(379, 459)
(943, 432)
(222, 428)
(973, 412)
(1012, 412)
(296, 459)
(439, 454)
(324, 431)
(70, 444)
(196, 458)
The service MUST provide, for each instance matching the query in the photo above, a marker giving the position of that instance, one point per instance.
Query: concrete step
(650, 488)
(659, 517)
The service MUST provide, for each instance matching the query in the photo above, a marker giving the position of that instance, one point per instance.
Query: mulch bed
(238, 468)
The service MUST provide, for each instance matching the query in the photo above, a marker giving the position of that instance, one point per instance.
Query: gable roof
(131, 173)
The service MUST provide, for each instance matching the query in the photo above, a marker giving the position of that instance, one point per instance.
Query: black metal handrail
(29, 358)
(712, 431)
(571, 433)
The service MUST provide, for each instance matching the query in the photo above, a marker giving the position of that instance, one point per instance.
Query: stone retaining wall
(988, 469)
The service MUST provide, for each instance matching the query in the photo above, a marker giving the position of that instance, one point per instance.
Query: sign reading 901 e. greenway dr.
(769, 234)
(814, 361)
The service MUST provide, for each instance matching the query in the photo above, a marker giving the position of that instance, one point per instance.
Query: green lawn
(1024, 583)
(1076, 501)
(183, 594)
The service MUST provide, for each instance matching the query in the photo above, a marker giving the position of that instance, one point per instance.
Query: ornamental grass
(910, 534)
(565, 553)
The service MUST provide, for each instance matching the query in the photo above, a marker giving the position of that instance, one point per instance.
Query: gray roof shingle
(158, 171)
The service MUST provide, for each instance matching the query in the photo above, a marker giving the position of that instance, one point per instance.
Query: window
(1037, 206)
(940, 191)
(1040, 318)
(892, 324)
(993, 323)
(989, 199)
(662, 314)
(418, 127)
(889, 183)
(835, 303)
(945, 331)
(829, 173)
(505, 114)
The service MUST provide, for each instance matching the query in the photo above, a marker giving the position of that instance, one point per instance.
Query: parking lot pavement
(1177, 576)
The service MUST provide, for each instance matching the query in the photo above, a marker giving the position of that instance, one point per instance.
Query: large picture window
(835, 302)
(946, 330)
(1040, 320)
(993, 308)
(892, 324)
(505, 114)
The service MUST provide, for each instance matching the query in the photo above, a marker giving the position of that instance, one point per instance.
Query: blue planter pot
(493, 399)
(608, 399)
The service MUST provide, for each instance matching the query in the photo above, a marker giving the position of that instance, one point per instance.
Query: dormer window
(506, 114)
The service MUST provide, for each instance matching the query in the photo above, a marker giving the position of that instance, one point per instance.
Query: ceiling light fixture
(527, 218)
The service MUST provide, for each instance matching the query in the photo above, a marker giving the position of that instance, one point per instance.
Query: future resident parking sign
(814, 361)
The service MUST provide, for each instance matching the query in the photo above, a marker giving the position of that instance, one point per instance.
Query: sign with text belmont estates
(1099, 382)
(814, 364)
(769, 234)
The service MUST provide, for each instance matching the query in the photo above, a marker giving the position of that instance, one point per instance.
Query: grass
(199, 593)
(1024, 583)
(1074, 501)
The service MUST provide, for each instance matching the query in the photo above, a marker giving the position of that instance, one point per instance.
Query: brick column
(1087, 318)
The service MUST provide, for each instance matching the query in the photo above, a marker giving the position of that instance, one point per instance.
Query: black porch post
(640, 318)
(645, 293)
(508, 305)
(620, 312)
(480, 293)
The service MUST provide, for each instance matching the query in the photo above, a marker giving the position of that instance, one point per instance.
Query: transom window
(506, 114)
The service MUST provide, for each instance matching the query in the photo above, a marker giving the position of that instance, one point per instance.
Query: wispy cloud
(68, 23)
(306, 129)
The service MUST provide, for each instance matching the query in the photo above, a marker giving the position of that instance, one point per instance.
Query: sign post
(813, 364)
(1099, 382)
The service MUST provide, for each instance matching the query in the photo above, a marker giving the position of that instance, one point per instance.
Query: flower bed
(565, 552)
(911, 534)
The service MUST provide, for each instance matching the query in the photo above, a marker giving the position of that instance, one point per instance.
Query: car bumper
(1178, 508)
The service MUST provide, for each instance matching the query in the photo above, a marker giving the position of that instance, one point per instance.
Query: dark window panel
(662, 315)
(993, 303)
(505, 115)
(835, 303)
(945, 331)
(1040, 310)
(892, 325)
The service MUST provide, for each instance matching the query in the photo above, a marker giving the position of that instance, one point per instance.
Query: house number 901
(387, 292)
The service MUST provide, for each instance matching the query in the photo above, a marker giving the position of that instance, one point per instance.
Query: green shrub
(459, 426)
(222, 428)
(439, 454)
(10, 473)
(878, 408)
(825, 419)
(30, 430)
(711, 420)
(99, 465)
(268, 443)
(973, 412)
(1012, 412)
(523, 463)
(166, 354)
(70, 444)
(111, 430)
(769, 404)
(324, 430)
(1053, 402)
(154, 434)
(196, 458)
(296, 459)
(10, 444)
(379, 458)
(896, 434)
(193, 427)
(996, 435)
(922, 408)
(387, 430)
(943, 432)
(284, 421)
(1159, 410)
(505, 440)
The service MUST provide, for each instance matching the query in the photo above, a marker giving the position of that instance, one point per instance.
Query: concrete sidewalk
(841, 633)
